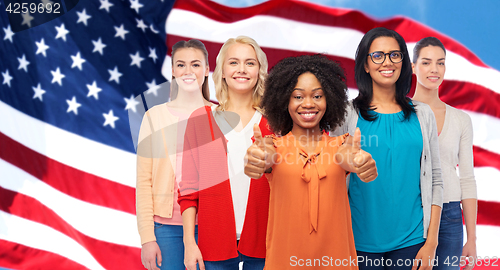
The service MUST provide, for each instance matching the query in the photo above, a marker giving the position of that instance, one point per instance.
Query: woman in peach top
(309, 216)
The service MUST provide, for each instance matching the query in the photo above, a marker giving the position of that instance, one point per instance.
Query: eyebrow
(315, 89)
(234, 58)
(428, 59)
(182, 61)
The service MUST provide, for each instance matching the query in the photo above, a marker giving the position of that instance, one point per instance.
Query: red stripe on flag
(73, 182)
(17, 256)
(107, 254)
(311, 13)
(485, 158)
(487, 213)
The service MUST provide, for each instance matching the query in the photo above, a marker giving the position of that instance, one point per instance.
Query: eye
(396, 55)
(425, 63)
(196, 65)
(297, 97)
(377, 55)
(251, 63)
(318, 96)
(441, 63)
(180, 65)
(233, 63)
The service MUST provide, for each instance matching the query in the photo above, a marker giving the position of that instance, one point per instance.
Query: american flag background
(73, 90)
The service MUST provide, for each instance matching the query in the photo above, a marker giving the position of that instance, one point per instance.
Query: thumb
(257, 134)
(357, 140)
(158, 257)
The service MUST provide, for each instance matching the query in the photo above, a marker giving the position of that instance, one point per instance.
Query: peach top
(309, 215)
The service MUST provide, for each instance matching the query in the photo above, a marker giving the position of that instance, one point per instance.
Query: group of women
(260, 178)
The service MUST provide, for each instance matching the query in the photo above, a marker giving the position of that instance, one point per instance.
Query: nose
(434, 68)
(307, 103)
(241, 68)
(387, 60)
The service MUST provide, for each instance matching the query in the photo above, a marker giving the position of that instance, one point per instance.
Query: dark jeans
(396, 259)
(451, 237)
(249, 263)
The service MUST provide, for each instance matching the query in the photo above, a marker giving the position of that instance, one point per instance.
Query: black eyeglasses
(378, 57)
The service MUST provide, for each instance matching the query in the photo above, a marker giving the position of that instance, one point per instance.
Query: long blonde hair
(195, 44)
(221, 88)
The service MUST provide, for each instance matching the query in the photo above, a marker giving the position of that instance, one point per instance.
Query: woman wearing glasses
(395, 218)
(455, 144)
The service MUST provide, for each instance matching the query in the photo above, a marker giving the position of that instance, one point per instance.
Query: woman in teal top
(395, 217)
(396, 148)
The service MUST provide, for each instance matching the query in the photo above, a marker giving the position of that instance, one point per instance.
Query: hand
(365, 165)
(468, 251)
(192, 256)
(256, 157)
(150, 252)
(425, 256)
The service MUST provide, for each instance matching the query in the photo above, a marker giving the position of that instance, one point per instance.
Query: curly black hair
(282, 80)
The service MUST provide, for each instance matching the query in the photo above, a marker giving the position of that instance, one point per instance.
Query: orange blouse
(309, 215)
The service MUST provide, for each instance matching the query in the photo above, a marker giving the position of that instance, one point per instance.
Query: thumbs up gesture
(352, 158)
(259, 156)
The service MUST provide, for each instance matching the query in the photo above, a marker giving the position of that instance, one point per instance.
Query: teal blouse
(387, 213)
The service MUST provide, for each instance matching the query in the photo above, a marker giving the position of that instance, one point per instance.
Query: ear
(207, 71)
(413, 67)
(366, 68)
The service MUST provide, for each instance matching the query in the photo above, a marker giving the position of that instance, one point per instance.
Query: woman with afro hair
(309, 216)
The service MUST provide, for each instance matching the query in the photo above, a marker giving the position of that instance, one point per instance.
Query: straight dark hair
(425, 42)
(364, 80)
(195, 44)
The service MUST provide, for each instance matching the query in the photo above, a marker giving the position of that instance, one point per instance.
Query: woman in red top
(232, 208)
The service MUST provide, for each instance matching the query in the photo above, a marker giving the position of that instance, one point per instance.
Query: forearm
(188, 223)
(433, 231)
(470, 216)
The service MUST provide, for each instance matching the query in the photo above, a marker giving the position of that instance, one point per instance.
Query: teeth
(308, 114)
(189, 80)
(387, 71)
(241, 79)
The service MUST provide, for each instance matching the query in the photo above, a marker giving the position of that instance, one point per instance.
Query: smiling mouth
(241, 79)
(308, 115)
(433, 78)
(188, 81)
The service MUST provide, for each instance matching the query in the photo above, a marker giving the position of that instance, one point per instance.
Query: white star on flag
(6, 77)
(141, 24)
(134, 4)
(115, 75)
(23, 63)
(38, 92)
(93, 90)
(136, 59)
(77, 61)
(98, 46)
(131, 103)
(57, 76)
(61, 32)
(121, 32)
(83, 17)
(152, 88)
(110, 119)
(8, 33)
(152, 54)
(105, 4)
(73, 105)
(41, 47)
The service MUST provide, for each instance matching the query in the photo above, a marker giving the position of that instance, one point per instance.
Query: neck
(384, 95)
(306, 136)
(190, 100)
(239, 102)
(428, 96)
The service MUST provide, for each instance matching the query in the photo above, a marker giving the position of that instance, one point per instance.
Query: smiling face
(307, 105)
(241, 68)
(430, 67)
(189, 69)
(384, 75)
